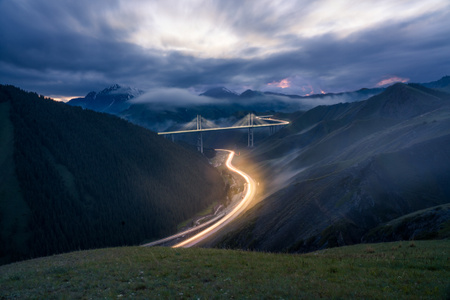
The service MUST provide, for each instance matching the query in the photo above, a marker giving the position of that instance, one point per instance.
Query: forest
(77, 179)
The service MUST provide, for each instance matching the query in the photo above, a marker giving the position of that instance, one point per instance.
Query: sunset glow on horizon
(285, 83)
(392, 80)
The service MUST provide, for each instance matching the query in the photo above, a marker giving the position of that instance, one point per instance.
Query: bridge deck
(223, 128)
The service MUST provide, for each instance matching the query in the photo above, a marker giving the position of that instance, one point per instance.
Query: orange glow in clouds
(392, 80)
(285, 83)
(311, 90)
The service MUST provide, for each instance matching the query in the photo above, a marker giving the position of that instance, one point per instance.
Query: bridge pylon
(250, 137)
(250, 131)
(200, 135)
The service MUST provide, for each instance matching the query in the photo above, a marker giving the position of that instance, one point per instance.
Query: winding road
(220, 221)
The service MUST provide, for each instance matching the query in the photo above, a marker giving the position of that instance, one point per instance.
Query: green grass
(400, 270)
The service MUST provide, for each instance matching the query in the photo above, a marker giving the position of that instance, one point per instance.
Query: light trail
(251, 190)
(183, 233)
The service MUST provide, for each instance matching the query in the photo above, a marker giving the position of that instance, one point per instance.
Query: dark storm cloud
(70, 48)
(352, 62)
(43, 45)
(265, 18)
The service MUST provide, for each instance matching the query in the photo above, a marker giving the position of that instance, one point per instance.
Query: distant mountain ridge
(224, 93)
(116, 100)
(442, 84)
(220, 93)
(226, 111)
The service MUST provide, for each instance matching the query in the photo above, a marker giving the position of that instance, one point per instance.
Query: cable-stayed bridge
(199, 125)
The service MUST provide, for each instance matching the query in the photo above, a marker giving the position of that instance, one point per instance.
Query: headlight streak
(250, 193)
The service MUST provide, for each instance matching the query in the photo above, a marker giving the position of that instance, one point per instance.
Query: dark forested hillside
(77, 179)
(339, 171)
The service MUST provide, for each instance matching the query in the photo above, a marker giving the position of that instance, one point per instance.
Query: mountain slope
(430, 223)
(442, 84)
(338, 171)
(78, 179)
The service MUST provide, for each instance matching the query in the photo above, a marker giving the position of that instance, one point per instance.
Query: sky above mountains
(68, 48)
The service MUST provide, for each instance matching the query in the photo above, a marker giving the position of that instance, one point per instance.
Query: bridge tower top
(199, 122)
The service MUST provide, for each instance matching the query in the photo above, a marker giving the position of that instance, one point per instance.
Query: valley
(351, 173)
(328, 178)
(223, 215)
(216, 149)
(326, 153)
(230, 214)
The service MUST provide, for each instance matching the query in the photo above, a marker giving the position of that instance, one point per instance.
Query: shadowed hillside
(78, 179)
(442, 84)
(338, 171)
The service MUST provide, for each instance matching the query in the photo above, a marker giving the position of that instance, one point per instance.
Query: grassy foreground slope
(399, 270)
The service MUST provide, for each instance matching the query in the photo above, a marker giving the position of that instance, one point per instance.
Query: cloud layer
(169, 97)
(64, 48)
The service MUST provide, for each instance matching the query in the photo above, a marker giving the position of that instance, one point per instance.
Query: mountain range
(124, 102)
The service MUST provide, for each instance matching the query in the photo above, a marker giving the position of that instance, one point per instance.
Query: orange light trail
(251, 189)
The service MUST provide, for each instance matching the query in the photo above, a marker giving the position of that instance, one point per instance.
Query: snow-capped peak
(228, 91)
(117, 89)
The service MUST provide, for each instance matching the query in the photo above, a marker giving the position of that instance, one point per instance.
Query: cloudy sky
(67, 48)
